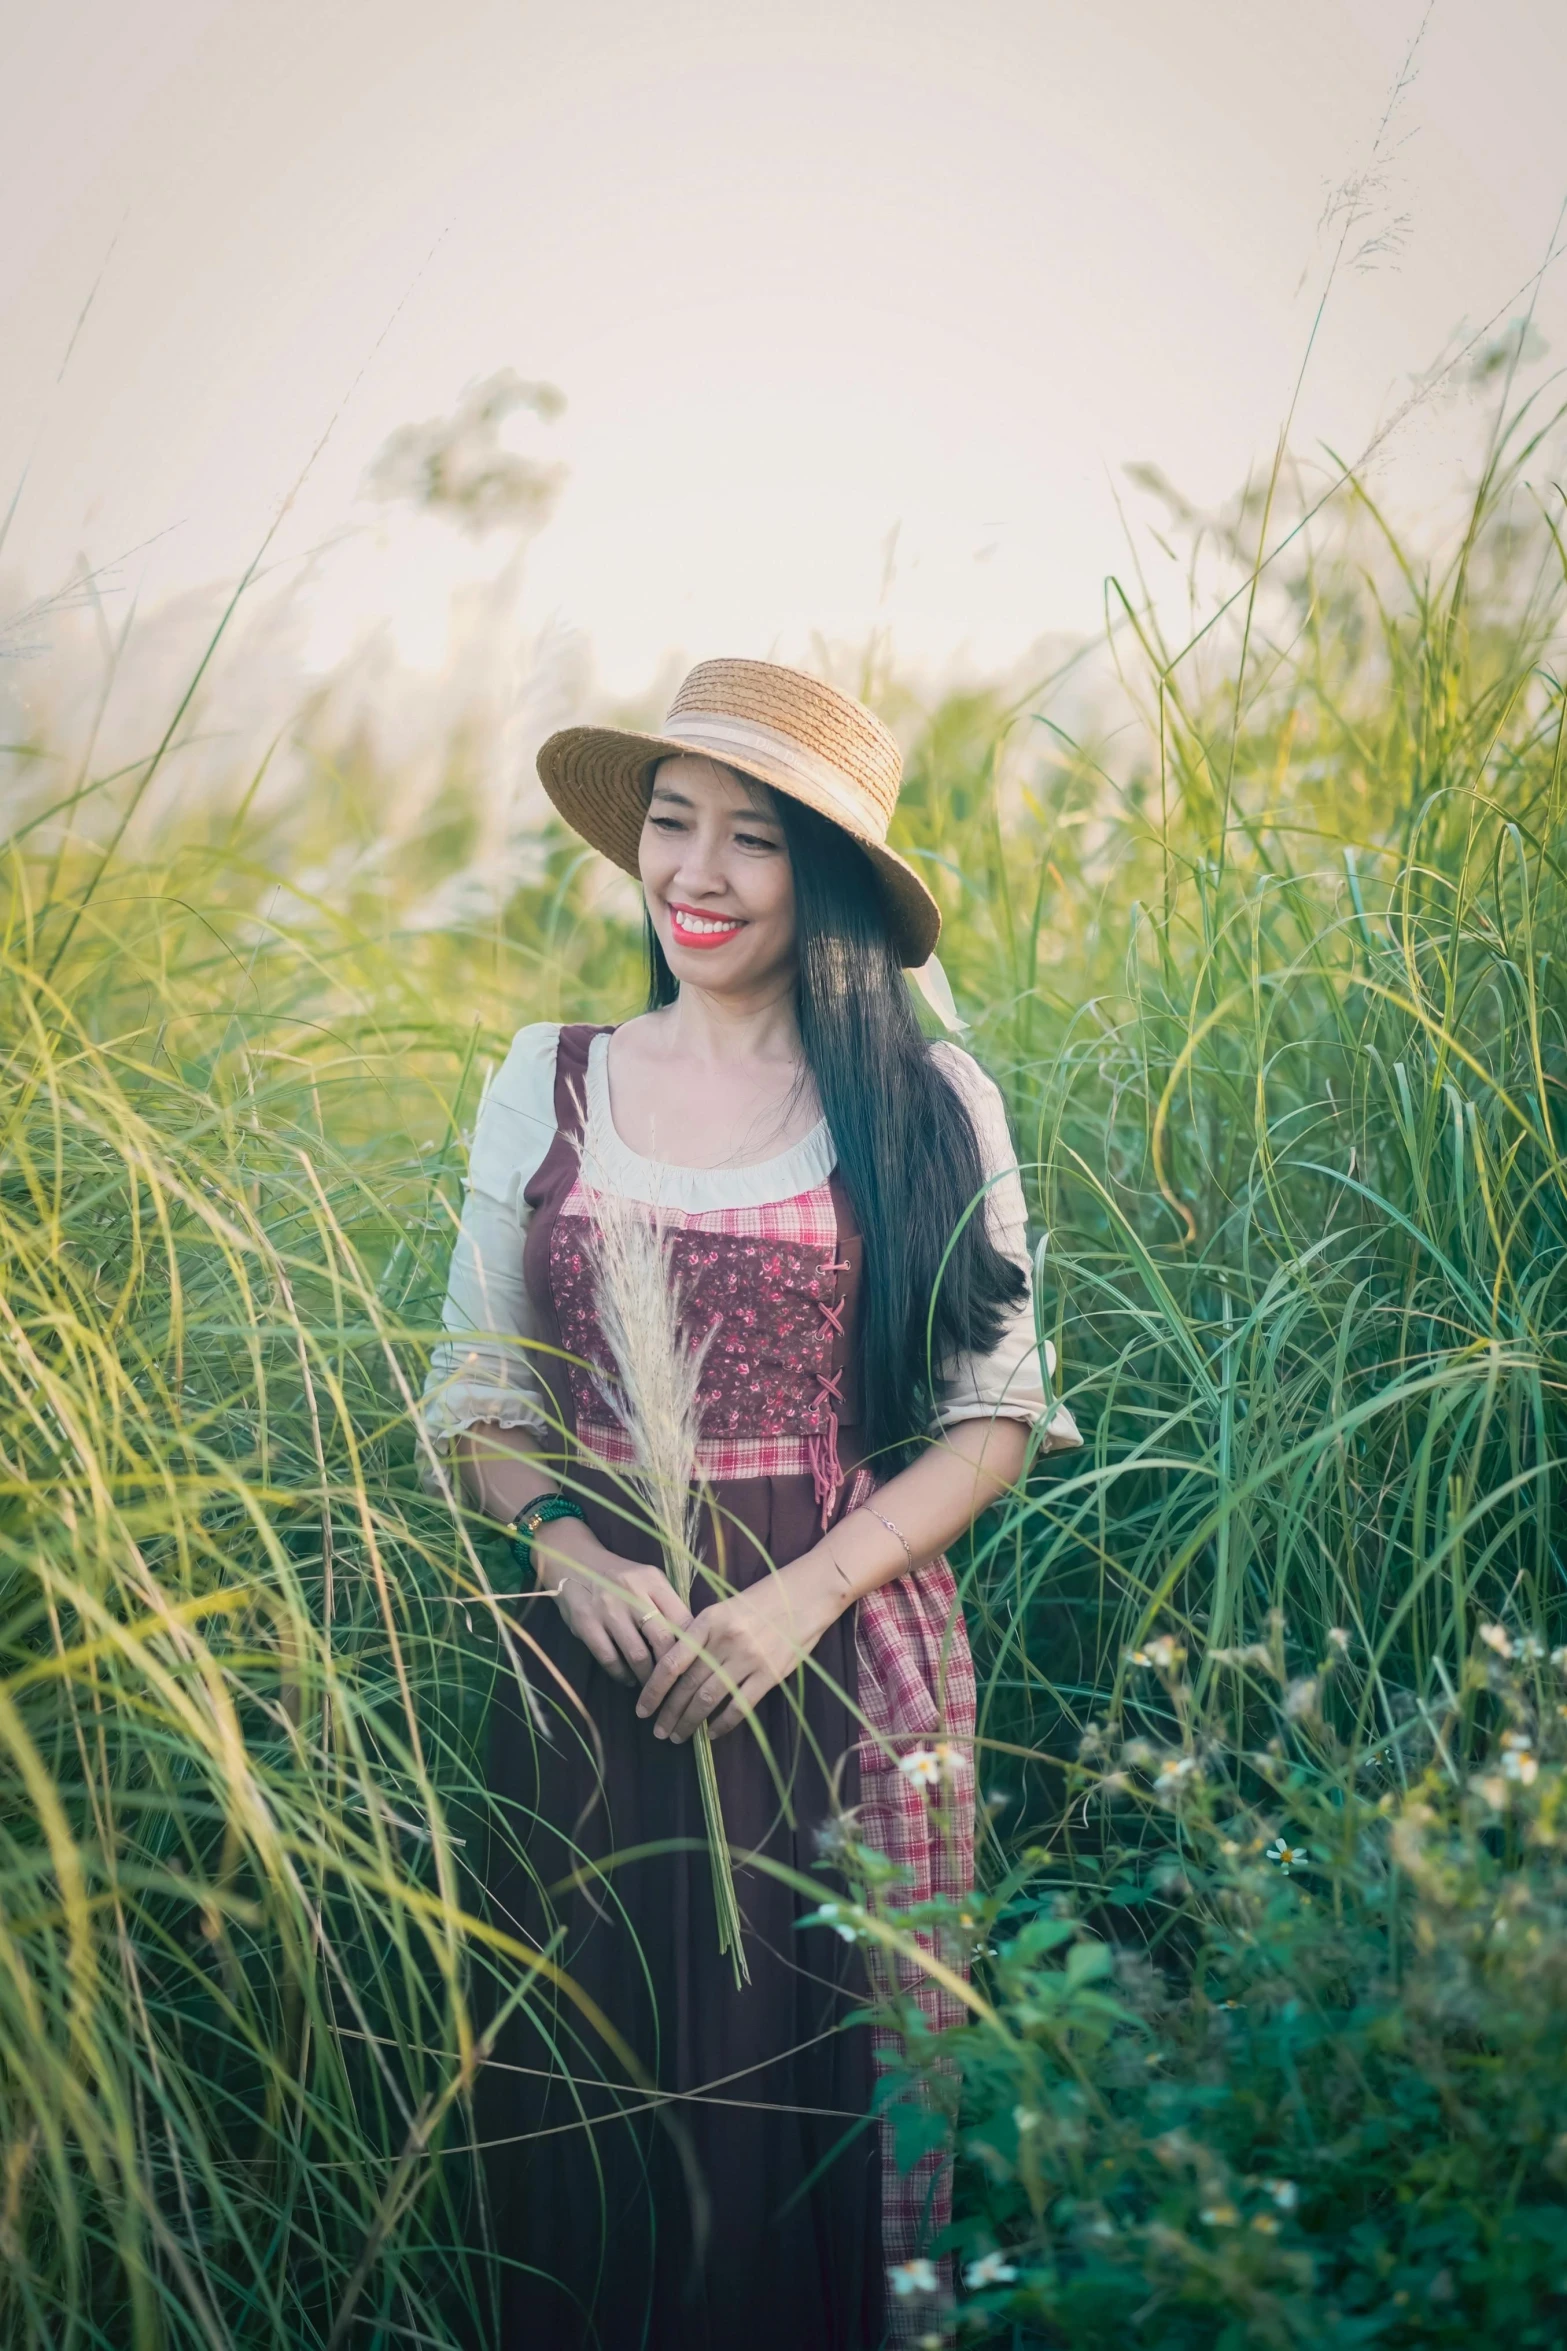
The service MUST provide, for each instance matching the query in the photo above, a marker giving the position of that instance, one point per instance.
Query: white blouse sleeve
(1009, 1383)
(480, 1371)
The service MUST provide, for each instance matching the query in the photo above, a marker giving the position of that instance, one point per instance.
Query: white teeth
(696, 922)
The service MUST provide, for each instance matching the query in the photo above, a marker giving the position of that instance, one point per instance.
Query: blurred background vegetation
(1268, 2045)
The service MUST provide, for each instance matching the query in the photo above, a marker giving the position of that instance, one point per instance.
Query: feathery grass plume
(656, 1396)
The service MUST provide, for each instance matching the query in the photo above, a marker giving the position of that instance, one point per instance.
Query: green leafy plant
(1319, 2094)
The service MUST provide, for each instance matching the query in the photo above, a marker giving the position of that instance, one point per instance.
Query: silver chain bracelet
(892, 1530)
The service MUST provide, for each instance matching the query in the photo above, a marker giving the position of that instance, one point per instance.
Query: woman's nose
(701, 864)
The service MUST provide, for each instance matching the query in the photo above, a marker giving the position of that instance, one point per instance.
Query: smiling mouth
(702, 930)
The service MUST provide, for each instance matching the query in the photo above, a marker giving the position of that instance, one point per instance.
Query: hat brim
(599, 778)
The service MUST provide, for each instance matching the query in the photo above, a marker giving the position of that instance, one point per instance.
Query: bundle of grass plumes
(655, 1394)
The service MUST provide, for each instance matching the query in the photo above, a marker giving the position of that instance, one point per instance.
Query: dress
(672, 2160)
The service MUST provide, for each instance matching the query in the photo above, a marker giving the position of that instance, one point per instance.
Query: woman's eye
(666, 824)
(755, 841)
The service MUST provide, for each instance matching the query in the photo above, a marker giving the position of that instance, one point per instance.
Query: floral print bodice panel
(767, 1289)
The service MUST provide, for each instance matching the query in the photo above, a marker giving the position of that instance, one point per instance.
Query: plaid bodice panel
(767, 1288)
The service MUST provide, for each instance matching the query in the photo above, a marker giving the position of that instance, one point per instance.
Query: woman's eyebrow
(748, 814)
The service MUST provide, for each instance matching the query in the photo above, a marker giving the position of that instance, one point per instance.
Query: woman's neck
(711, 1081)
(702, 1026)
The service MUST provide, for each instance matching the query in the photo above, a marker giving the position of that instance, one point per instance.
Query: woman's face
(716, 872)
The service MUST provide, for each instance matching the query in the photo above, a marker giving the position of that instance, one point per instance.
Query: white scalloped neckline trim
(658, 1182)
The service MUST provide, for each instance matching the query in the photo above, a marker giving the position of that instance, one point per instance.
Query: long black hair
(906, 1146)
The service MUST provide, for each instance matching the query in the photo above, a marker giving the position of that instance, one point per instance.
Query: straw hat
(785, 729)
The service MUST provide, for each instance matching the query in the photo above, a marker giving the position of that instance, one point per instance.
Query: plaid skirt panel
(916, 1697)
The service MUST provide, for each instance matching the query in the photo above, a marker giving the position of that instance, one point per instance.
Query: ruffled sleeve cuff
(1011, 1383)
(1014, 1380)
(480, 1371)
(470, 1386)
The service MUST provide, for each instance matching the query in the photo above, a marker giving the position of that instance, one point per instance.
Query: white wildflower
(1219, 2216)
(1285, 2194)
(991, 2269)
(1176, 1768)
(1024, 2120)
(914, 2277)
(1338, 1637)
(1288, 1856)
(1518, 1764)
(922, 1765)
(833, 1914)
(1495, 1637)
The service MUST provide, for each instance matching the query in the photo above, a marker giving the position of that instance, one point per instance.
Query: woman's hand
(728, 1658)
(625, 1615)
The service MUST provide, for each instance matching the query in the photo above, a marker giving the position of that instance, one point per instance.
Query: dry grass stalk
(655, 1394)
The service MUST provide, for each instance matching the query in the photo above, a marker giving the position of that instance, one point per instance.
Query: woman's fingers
(690, 1704)
(660, 1615)
(696, 1699)
(659, 1634)
(627, 1636)
(627, 1626)
(741, 1704)
(687, 1668)
(683, 1652)
(659, 1593)
(612, 1638)
(595, 1639)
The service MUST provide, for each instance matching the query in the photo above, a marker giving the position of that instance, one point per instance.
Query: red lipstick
(684, 922)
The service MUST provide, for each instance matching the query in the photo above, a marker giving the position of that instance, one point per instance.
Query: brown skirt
(712, 2180)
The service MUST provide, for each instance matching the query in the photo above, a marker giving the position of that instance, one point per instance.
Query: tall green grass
(232, 1982)
(1289, 1052)
(1274, 986)
(1293, 1078)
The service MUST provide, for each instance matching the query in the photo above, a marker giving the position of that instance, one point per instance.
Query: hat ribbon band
(738, 740)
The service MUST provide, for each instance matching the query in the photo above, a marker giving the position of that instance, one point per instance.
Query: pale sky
(808, 272)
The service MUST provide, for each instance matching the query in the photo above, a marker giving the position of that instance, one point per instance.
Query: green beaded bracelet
(525, 1526)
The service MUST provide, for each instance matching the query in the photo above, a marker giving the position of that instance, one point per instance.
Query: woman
(672, 2157)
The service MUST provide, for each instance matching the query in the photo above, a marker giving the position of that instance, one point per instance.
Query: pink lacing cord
(826, 1468)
